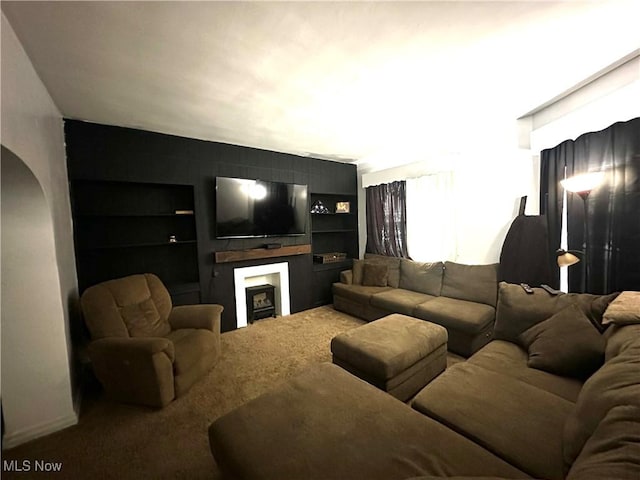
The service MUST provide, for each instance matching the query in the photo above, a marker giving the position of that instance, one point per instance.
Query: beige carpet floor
(128, 442)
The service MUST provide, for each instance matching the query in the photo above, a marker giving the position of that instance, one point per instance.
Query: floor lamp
(582, 185)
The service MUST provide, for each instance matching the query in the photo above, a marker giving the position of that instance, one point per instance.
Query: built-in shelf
(333, 232)
(258, 253)
(123, 228)
(345, 264)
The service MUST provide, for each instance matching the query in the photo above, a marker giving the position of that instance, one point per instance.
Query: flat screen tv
(257, 208)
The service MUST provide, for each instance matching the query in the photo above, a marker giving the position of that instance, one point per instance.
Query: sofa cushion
(375, 275)
(358, 293)
(143, 320)
(326, 424)
(475, 402)
(393, 263)
(616, 383)
(190, 344)
(517, 310)
(624, 310)
(613, 451)
(455, 314)
(421, 277)
(399, 300)
(510, 359)
(594, 306)
(474, 283)
(566, 344)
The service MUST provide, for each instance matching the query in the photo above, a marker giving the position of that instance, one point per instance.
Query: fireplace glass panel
(260, 302)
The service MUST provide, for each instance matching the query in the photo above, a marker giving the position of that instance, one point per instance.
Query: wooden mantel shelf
(257, 253)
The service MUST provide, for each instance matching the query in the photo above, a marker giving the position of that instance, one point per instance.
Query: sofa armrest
(196, 316)
(346, 276)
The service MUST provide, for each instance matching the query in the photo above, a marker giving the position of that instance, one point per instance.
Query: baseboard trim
(14, 439)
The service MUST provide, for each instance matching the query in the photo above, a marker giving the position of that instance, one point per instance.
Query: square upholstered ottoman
(398, 354)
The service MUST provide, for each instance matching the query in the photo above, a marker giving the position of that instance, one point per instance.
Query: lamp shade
(566, 259)
(582, 183)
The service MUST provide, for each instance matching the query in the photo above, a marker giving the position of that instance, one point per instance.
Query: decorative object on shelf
(582, 185)
(343, 207)
(331, 257)
(184, 212)
(318, 207)
(172, 239)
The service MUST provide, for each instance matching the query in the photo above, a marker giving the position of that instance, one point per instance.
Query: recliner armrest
(135, 369)
(131, 348)
(196, 316)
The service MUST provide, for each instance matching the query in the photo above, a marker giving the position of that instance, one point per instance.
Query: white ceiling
(351, 81)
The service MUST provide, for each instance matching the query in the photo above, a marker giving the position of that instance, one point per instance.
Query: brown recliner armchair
(143, 350)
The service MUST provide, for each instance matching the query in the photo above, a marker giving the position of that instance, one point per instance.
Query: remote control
(526, 288)
(551, 291)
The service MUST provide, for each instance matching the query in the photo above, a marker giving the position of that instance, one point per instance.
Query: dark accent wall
(108, 153)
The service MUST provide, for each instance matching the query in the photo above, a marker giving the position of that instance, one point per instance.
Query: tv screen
(258, 208)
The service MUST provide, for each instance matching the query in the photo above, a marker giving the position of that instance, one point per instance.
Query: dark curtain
(387, 219)
(552, 166)
(524, 257)
(613, 208)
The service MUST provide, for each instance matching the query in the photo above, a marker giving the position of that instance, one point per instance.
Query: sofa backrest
(474, 283)
(614, 387)
(421, 277)
(517, 310)
(598, 438)
(133, 306)
(613, 450)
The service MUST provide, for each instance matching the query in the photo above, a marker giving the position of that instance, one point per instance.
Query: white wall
(612, 97)
(490, 180)
(32, 129)
(35, 376)
(487, 188)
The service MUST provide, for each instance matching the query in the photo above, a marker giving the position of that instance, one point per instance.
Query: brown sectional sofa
(492, 416)
(461, 298)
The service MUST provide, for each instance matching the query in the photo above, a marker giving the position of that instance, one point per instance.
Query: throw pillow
(624, 310)
(392, 263)
(358, 265)
(594, 307)
(375, 275)
(566, 344)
